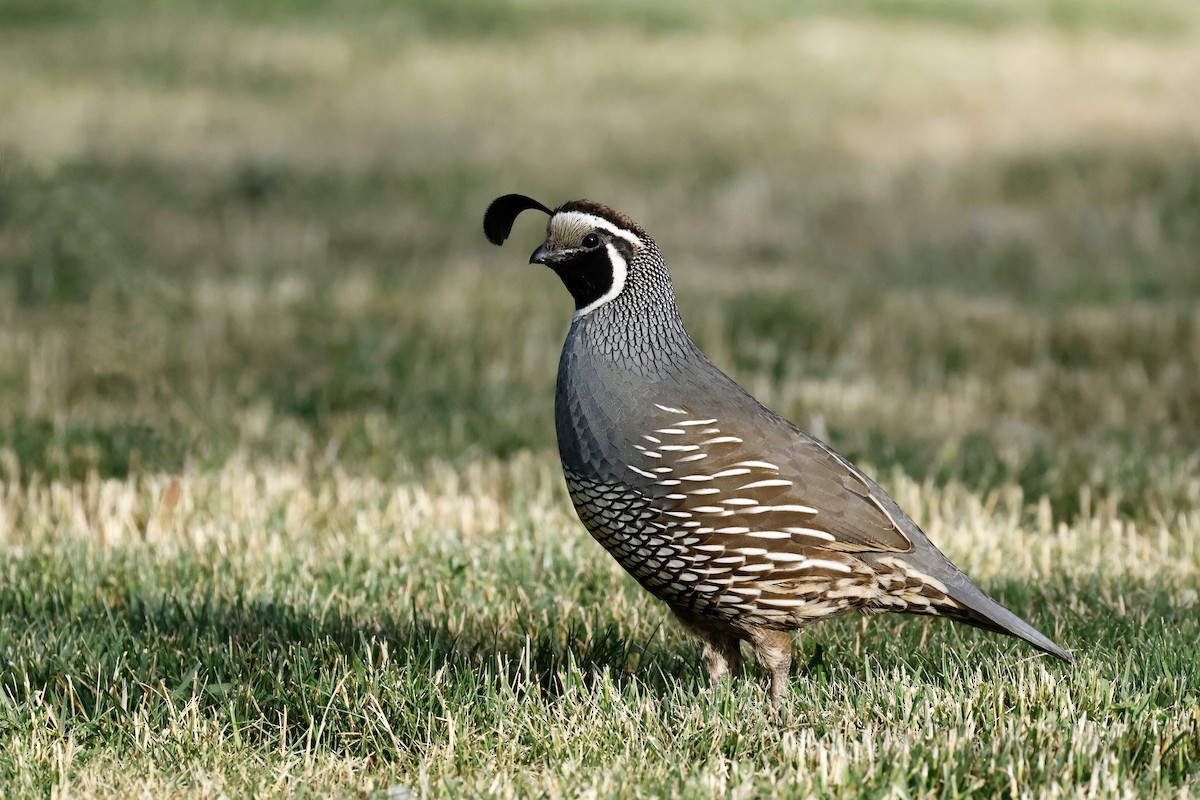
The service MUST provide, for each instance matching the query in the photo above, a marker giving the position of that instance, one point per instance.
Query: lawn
(280, 508)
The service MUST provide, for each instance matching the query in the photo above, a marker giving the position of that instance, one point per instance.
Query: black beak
(543, 255)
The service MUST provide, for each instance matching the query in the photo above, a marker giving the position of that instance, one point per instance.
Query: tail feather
(981, 611)
(968, 603)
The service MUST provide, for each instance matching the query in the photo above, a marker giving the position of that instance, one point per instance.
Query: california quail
(744, 524)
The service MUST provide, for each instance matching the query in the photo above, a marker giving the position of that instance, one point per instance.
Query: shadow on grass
(101, 661)
(101, 658)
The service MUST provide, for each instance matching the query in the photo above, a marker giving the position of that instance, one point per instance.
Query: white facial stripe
(578, 219)
(620, 270)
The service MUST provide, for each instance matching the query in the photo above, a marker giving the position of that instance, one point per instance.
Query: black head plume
(500, 215)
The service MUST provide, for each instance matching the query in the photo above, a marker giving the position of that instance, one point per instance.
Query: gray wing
(759, 477)
(802, 520)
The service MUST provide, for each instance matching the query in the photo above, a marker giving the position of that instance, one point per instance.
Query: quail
(745, 525)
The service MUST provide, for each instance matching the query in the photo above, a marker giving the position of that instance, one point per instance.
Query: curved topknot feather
(500, 215)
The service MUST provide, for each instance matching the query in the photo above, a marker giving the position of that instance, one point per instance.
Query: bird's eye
(591, 240)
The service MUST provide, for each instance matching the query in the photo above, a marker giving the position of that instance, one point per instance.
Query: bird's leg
(720, 647)
(773, 649)
(722, 655)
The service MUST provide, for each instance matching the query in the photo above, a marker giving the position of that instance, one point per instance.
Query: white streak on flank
(708, 431)
(813, 532)
(763, 567)
(671, 430)
(650, 453)
(710, 548)
(746, 590)
(704, 530)
(692, 524)
(642, 472)
(739, 501)
(620, 271)
(680, 514)
(750, 551)
(910, 572)
(677, 497)
(650, 438)
(697, 477)
(757, 465)
(766, 484)
(705, 490)
(784, 602)
(670, 409)
(936, 584)
(662, 470)
(819, 562)
(729, 560)
(688, 422)
(795, 510)
(769, 535)
(693, 457)
(679, 448)
(729, 473)
(667, 482)
(708, 509)
(732, 529)
(722, 440)
(777, 555)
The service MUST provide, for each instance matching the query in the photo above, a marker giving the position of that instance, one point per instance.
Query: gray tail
(984, 612)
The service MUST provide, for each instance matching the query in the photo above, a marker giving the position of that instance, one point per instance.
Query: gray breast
(600, 411)
(673, 472)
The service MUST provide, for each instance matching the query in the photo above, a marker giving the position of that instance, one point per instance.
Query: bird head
(591, 247)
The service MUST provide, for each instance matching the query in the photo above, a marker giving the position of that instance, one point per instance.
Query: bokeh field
(280, 510)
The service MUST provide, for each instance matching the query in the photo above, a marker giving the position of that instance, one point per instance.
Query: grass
(279, 507)
(263, 629)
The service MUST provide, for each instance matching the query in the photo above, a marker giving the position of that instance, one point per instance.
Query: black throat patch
(588, 276)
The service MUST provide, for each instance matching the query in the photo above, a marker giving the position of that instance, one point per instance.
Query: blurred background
(959, 240)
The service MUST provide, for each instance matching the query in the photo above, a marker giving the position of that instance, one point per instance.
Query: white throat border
(620, 273)
(620, 268)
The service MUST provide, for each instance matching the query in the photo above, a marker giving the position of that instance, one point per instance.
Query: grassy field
(280, 512)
